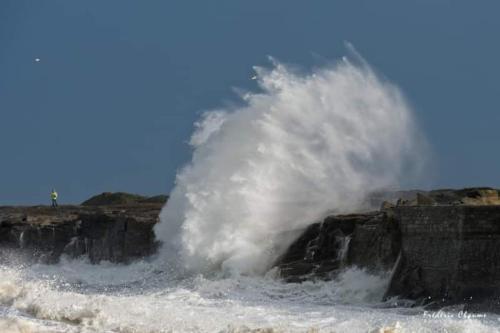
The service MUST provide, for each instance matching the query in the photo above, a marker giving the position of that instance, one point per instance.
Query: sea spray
(348, 303)
(303, 147)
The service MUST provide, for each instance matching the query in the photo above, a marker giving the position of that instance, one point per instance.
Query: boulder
(425, 200)
(386, 205)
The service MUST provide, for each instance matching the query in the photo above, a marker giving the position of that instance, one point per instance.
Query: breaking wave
(67, 298)
(304, 146)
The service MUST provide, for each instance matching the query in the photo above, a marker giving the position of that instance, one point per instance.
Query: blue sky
(111, 104)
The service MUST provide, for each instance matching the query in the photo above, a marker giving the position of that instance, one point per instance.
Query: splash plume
(303, 147)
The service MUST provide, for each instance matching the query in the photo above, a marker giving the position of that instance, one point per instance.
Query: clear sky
(110, 105)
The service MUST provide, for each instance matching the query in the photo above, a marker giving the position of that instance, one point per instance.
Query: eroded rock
(112, 233)
(368, 240)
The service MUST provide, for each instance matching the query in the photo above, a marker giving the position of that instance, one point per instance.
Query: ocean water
(302, 146)
(74, 296)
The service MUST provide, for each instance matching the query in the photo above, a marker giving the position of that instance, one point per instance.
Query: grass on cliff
(122, 198)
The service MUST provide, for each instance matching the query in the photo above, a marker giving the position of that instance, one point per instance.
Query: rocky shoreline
(441, 247)
(112, 233)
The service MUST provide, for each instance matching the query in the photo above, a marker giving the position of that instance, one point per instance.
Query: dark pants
(54, 203)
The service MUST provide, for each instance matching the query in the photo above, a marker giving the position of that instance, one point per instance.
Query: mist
(303, 146)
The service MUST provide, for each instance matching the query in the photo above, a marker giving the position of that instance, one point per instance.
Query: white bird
(37, 59)
(254, 77)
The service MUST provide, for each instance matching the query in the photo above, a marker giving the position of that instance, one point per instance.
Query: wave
(304, 146)
(37, 301)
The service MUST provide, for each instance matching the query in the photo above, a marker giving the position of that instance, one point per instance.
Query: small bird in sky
(37, 59)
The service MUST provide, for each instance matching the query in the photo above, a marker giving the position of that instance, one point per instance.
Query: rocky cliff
(450, 255)
(442, 248)
(369, 240)
(116, 233)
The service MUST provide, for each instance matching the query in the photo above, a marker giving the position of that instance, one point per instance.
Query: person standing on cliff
(53, 196)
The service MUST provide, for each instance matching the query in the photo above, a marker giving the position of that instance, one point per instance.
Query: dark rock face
(376, 244)
(112, 233)
(369, 240)
(449, 255)
(442, 247)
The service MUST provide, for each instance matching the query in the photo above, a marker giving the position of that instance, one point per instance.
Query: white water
(303, 147)
(77, 297)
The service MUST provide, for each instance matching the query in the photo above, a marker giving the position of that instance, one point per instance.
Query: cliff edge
(440, 247)
(105, 228)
